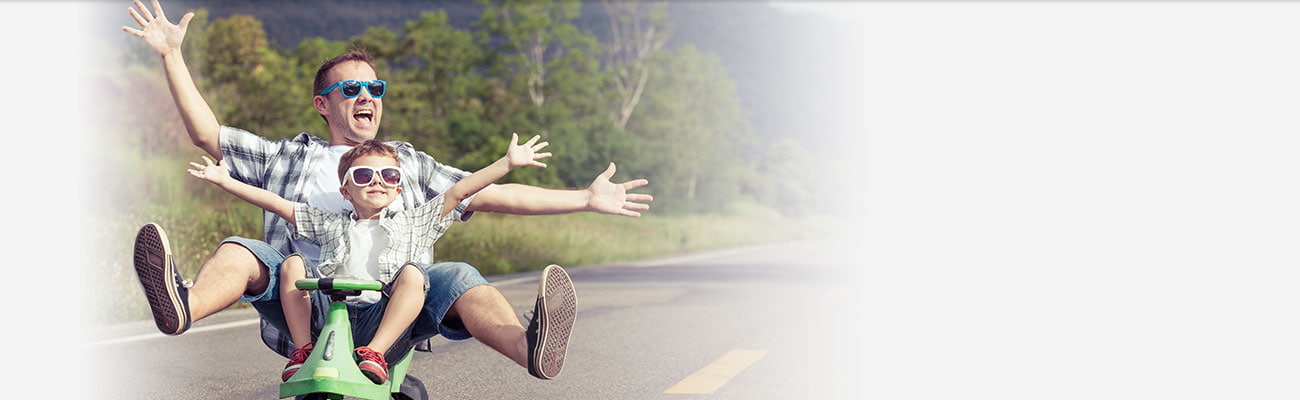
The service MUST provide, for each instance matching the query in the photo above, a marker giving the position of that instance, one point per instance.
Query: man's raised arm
(602, 196)
(166, 38)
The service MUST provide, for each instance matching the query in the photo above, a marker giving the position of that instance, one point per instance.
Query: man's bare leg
(540, 348)
(490, 319)
(231, 272)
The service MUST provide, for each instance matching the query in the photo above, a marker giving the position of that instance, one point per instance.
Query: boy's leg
(295, 302)
(297, 307)
(402, 304)
(406, 299)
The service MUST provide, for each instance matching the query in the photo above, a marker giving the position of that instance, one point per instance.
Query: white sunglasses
(364, 176)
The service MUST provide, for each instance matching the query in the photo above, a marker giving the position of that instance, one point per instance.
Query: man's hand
(215, 173)
(163, 36)
(612, 198)
(522, 155)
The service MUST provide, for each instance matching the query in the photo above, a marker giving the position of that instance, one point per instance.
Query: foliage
(671, 115)
(690, 132)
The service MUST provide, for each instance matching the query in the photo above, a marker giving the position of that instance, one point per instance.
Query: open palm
(612, 198)
(215, 173)
(522, 155)
(163, 36)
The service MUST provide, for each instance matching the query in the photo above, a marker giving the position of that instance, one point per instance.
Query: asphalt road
(774, 321)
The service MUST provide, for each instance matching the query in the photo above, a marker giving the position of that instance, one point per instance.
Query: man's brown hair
(322, 73)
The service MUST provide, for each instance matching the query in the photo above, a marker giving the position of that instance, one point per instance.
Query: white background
(1061, 199)
(1081, 199)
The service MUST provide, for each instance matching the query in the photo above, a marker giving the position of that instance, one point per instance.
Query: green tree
(251, 85)
(690, 133)
(435, 87)
(538, 53)
(381, 43)
(637, 32)
(309, 56)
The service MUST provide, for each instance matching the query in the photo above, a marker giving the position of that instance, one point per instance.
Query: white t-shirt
(366, 240)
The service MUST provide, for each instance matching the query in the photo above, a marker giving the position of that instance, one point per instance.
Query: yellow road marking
(713, 376)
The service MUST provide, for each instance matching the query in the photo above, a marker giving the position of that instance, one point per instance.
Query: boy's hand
(215, 173)
(526, 154)
(163, 36)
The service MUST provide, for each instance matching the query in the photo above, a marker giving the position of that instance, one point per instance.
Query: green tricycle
(330, 372)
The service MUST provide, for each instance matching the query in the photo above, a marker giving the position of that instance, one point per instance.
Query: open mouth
(365, 117)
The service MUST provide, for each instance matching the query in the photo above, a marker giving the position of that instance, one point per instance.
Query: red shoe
(372, 364)
(296, 359)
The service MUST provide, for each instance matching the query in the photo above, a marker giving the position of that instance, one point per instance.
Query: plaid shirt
(281, 167)
(409, 232)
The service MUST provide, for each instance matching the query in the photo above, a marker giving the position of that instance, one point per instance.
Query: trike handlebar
(338, 284)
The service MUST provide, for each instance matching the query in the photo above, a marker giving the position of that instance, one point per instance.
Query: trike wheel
(412, 389)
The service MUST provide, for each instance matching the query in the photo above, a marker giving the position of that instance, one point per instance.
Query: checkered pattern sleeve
(246, 155)
(278, 166)
(314, 224)
(426, 225)
(433, 177)
(427, 218)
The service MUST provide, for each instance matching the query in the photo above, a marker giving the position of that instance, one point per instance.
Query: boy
(370, 242)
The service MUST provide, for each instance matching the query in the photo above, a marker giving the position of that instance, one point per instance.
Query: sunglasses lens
(376, 88)
(363, 176)
(391, 176)
(350, 88)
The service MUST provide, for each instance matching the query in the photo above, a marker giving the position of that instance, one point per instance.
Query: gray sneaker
(552, 321)
(168, 294)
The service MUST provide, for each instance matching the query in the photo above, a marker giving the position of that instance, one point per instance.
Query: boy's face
(355, 120)
(376, 195)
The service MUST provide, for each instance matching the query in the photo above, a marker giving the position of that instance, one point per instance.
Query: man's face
(355, 120)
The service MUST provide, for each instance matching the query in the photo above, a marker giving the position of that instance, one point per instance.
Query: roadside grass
(499, 244)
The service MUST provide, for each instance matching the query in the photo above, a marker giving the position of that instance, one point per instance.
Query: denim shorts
(446, 281)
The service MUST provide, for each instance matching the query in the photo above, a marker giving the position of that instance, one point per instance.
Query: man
(349, 98)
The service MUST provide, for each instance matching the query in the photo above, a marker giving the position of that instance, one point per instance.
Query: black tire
(412, 389)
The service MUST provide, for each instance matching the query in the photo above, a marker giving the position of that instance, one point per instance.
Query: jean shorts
(447, 281)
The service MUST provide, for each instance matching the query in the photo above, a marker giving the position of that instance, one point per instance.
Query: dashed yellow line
(713, 376)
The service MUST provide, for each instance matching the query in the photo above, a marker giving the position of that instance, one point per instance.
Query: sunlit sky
(1102, 196)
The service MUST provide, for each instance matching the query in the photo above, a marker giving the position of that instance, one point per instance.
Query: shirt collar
(384, 215)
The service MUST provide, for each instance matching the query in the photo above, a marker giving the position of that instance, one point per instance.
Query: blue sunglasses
(352, 88)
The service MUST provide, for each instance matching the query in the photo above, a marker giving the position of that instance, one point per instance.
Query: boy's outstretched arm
(517, 155)
(166, 38)
(218, 175)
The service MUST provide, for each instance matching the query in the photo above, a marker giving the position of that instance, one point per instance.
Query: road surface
(771, 321)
